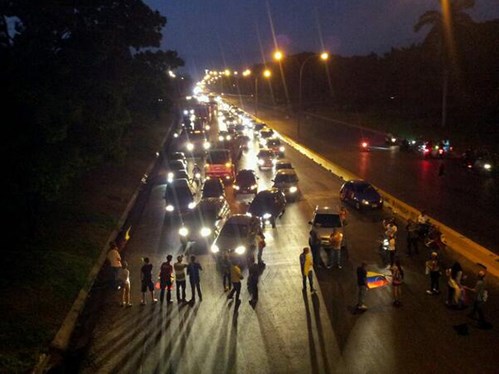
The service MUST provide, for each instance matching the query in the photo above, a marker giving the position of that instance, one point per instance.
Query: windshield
(327, 220)
(265, 154)
(363, 188)
(178, 194)
(234, 230)
(286, 178)
(245, 177)
(218, 157)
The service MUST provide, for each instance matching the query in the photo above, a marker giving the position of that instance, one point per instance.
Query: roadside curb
(457, 242)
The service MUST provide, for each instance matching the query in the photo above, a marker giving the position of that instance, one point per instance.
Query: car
(195, 142)
(264, 135)
(178, 156)
(237, 236)
(268, 205)
(258, 126)
(324, 220)
(224, 136)
(361, 194)
(283, 164)
(219, 164)
(266, 159)
(245, 182)
(286, 180)
(178, 174)
(276, 146)
(212, 187)
(203, 223)
(179, 197)
(240, 129)
(244, 142)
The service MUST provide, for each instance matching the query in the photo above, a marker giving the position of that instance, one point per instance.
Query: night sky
(214, 34)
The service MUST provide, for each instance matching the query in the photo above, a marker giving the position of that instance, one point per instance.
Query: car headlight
(189, 146)
(207, 127)
(254, 187)
(206, 145)
(221, 138)
(293, 189)
(191, 205)
(236, 187)
(281, 149)
(205, 231)
(240, 250)
(169, 208)
(365, 202)
(183, 231)
(274, 161)
(260, 161)
(175, 135)
(170, 176)
(487, 166)
(228, 137)
(215, 249)
(267, 215)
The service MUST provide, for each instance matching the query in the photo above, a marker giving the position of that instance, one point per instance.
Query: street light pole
(256, 97)
(324, 56)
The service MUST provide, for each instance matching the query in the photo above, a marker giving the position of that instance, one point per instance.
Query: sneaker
(436, 292)
(122, 304)
(429, 292)
(363, 307)
(154, 301)
(340, 267)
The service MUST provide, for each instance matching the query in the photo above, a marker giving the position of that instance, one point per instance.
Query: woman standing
(125, 283)
(397, 280)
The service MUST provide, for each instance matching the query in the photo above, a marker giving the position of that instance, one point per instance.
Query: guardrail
(466, 247)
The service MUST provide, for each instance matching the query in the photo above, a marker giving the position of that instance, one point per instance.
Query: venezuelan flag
(375, 280)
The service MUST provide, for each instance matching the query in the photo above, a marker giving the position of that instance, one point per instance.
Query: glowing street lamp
(324, 56)
(278, 55)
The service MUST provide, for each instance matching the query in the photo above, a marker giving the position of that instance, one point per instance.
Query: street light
(324, 56)
(266, 74)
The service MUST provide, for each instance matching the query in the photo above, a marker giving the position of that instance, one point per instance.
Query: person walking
(114, 258)
(235, 276)
(306, 262)
(179, 268)
(146, 280)
(225, 268)
(454, 286)
(412, 237)
(480, 298)
(336, 240)
(315, 247)
(362, 286)
(253, 278)
(125, 282)
(397, 280)
(165, 280)
(260, 242)
(433, 270)
(193, 270)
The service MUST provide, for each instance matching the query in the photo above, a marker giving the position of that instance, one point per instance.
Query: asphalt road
(464, 201)
(287, 331)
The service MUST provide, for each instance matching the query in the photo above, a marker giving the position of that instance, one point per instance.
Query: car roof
(211, 201)
(265, 150)
(268, 191)
(246, 171)
(326, 209)
(239, 218)
(216, 181)
(286, 172)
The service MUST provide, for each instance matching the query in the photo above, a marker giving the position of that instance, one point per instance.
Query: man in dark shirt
(193, 270)
(165, 280)
(147, 283)
(362, 284)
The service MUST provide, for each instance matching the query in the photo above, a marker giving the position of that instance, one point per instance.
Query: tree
(441, 37)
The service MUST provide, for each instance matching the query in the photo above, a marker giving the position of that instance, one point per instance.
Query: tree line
(77, 78)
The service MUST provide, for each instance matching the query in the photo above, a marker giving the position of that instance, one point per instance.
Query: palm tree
(441, 38)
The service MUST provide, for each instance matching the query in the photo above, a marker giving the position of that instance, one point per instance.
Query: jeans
(310, 277)
(434, 280)
(362, 295)
(196, 285)
(226, 280)
(168, 287)
(236, 288)
(336, 257)
(180, 285)
(478, 309)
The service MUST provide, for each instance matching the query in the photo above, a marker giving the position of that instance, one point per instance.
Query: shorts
(148, 284)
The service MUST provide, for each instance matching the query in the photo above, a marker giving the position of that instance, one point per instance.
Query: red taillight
(440, 151)
(364, 145)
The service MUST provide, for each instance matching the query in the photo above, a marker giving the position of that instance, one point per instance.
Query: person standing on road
(315, 246)
(397, 280)
(254, 275)
(165, 280)
(480, 298)
(193, 270)
(260, 242)
(392, 250)
(306, 262)
(336, 240)
(179, 267)
(235, 276)
(225, 267)
(125, 282)
(454, 286)
(433, 270)
(362, 286)
(147, 283)
(114, 258)
(412, 237)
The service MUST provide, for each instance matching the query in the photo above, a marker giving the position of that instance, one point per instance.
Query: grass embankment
(39, 285)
